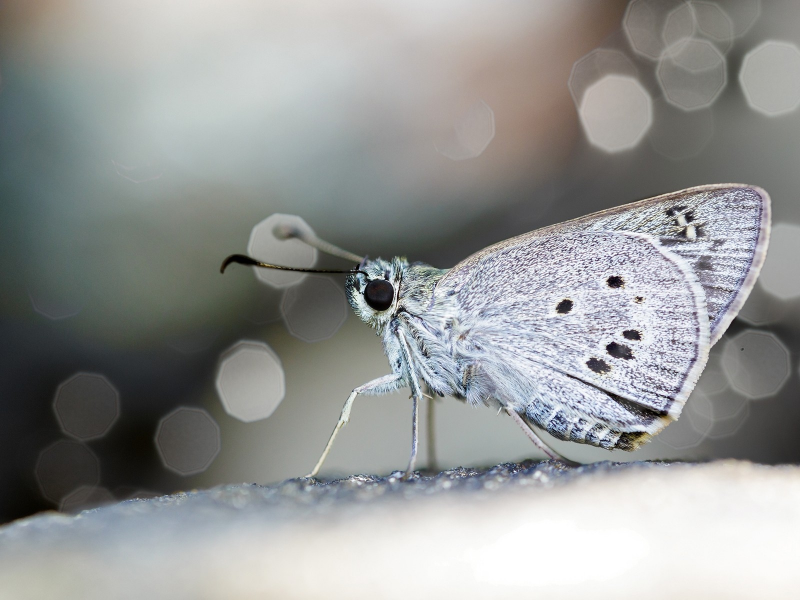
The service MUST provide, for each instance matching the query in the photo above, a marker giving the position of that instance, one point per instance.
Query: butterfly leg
(412, 461)
(537, 441)
(381, 385)
(416, 396)
(431, 430)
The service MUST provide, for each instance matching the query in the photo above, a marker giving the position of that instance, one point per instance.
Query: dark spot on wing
(564, 306)
(669, 241)
(704, 264)
(615, 281)
(598, 365)
(619, 351)
(677, 210)
(632, 334)
(700, 230)
(638, 299)
(689, 216)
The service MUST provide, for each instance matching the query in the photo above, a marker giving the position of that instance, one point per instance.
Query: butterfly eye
(379, 294)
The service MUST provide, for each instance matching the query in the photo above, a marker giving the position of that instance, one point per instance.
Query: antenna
(243, 259)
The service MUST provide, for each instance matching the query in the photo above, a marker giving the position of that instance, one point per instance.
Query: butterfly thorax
(412, 284)
(418, 327)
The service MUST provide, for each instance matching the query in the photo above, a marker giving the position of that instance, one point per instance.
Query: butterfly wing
(721, 231)
(579, 321)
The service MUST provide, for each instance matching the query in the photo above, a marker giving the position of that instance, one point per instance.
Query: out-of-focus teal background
(142, 142)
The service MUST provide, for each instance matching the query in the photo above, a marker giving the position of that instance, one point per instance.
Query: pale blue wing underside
(721, 231)
(610, 311)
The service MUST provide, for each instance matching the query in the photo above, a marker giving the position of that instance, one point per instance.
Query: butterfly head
(372, 286)
(373, 289)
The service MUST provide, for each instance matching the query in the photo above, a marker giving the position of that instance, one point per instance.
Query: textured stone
(724, 529)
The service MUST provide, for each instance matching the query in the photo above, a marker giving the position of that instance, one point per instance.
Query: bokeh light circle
(644, 24)
(756, 363)
(269, 243)
(715, 24)
(86, 406)
(188, 440)
(779, 275)
(616, 113)
(250, 381)
(770, 78)
(693, 426)
(63, 467)
(314, 309)
(472, 132)
(743, 14)
(692, 74)
(85, 497)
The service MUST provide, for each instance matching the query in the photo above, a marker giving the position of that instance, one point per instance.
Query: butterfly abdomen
(569, 427)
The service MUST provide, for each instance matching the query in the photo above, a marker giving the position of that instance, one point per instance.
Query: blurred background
(142, 142)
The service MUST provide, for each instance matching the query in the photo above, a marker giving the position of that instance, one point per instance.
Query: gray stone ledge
(725, 529)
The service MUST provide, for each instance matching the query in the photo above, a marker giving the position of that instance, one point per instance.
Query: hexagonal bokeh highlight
(85, 497)
(727, 405)
(729, 410)
(704, 20)
(315, 309)
(743, 14)
(53, 308)
(680, 24)
(86, 406)
(714, 23)
(63, 467)
(770, 78)
(756, 363)
(250, 381)
(712, 380)
(761, 307)
(780, 276)
(594, 66)
(472, 132)
(678, 134)
(724, 427)
(188, 440)
(616, 113)
(270, 242)
(693, 426)
(691, 74)
(644, 25)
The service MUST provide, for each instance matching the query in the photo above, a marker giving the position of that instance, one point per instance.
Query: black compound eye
(379, 294)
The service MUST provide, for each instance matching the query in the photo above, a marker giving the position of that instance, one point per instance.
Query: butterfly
(594, 330)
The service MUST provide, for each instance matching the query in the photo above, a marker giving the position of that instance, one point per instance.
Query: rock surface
(538, 529)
